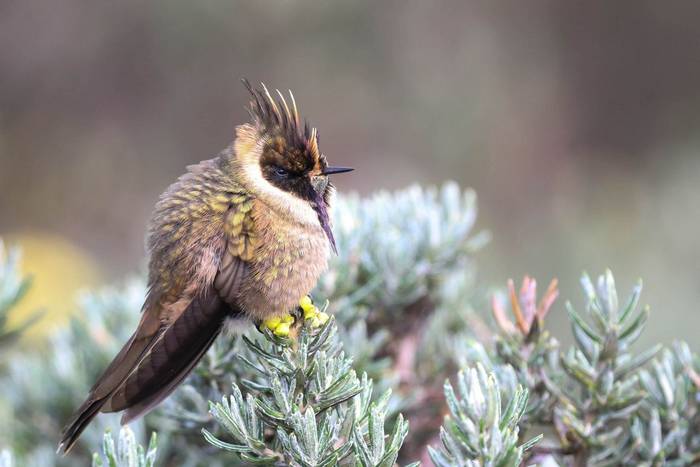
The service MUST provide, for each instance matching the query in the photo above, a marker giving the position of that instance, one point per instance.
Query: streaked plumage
(243, 235)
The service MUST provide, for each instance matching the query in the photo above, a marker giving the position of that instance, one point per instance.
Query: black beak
(336, 170)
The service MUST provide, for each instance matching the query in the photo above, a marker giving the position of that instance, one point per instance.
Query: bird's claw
(318, 318)
(279, 325)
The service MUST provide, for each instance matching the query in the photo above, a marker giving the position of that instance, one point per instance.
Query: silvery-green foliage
(666, 428)
(452, 323)
(473, 353)
(397, 251)
(13, 287)
(307, 394)
(605, 403)
(394, 248)
(688, 364)
(523, 351)
(43, 390)
(480, 430)
(370, 445)
(371, 448)
(127, 452)
(599, 391)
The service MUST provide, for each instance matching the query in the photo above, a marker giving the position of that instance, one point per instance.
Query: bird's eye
(280, 172)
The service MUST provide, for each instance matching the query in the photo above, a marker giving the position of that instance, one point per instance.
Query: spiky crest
(275, 117)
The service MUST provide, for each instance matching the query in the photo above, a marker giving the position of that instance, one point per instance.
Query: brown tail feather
(174, 355)
(168, 359)
(149, 403)
(110, 380)
(82, 419)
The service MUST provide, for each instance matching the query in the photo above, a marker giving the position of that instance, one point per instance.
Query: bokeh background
(577, 123)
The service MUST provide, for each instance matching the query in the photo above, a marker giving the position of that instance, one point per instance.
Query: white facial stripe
(283, 203)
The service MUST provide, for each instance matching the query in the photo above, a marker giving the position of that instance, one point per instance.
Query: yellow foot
(279, 325)
(318, 318)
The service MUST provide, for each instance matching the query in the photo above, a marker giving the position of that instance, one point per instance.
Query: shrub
(407, 370)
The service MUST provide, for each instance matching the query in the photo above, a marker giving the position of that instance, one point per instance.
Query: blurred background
(577, 123)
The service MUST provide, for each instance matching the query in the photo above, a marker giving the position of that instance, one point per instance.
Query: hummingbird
(242, 236)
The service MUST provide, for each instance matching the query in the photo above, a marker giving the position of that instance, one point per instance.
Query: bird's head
(279, 157)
